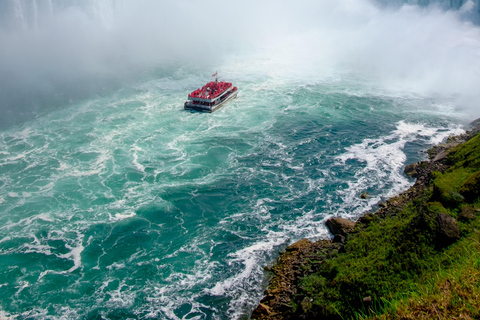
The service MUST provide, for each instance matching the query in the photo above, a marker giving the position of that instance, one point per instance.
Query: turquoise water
(125, 206)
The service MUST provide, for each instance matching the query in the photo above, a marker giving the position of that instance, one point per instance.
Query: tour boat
(211, 96)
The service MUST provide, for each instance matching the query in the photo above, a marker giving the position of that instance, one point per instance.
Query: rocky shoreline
(284, 300)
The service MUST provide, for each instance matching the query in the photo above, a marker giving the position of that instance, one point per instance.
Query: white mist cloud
(409, 49)
(58, 44)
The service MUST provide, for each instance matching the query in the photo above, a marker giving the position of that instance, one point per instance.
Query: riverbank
(415, 258)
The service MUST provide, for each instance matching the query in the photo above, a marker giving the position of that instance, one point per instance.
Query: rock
(411, 170)
(448, 230)
(366, 218)
(298, 245)
(261, 312)
(284, 307)
(382, 205)
(340, 226)
(364, 195)
(306, 304)
(442, 155)
(338, 238)
(475, 126)
(433, 151)
(470, 189)
(467, 213)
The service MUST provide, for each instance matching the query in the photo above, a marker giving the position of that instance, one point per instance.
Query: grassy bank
(405, 265)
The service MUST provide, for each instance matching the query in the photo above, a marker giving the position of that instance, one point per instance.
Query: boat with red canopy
(211, 96)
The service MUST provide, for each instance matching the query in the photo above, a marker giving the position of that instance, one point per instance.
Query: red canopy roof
(211, 90)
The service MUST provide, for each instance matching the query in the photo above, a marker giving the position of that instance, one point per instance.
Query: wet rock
(287, 272)
(364, 195)
(411, 170)
(340, 226)
(448, 230)
(433, 151)
(298, 245)
(262, 311)
(338, 238)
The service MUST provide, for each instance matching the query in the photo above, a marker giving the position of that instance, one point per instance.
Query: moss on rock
(470, 189)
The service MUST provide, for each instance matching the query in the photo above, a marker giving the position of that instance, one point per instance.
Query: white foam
(48, 187)
(7, 238)
(22, 285)
(13, 159)
(87, 173)
(120, 216)
(116, 265)
(135, 162)
(29, 220)
(122, 297)
(75, 255)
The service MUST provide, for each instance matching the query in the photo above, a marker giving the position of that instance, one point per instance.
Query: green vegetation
(398, 267)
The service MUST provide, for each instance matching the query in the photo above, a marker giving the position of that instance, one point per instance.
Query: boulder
(340, 226)
(470, 189)
(338, 238)
(411, 170)
(448, 230)
(475, 126)
(467, 213)
(364, 195)
(262, 311)
(440, 156)
(298, 245)
(367, 218)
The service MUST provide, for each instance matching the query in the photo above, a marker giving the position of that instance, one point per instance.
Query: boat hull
(209, 109)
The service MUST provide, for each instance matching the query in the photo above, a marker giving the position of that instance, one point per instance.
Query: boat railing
(211, 90)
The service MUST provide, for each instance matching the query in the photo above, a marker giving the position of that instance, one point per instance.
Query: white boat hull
(209, 109)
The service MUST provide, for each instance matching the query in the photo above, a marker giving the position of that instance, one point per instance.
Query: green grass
(396, 262)
(448, 293)
(467, 155)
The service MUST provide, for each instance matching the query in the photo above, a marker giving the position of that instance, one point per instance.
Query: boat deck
(189, 105)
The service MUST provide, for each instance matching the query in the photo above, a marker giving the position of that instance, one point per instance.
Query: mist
(53, 52)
